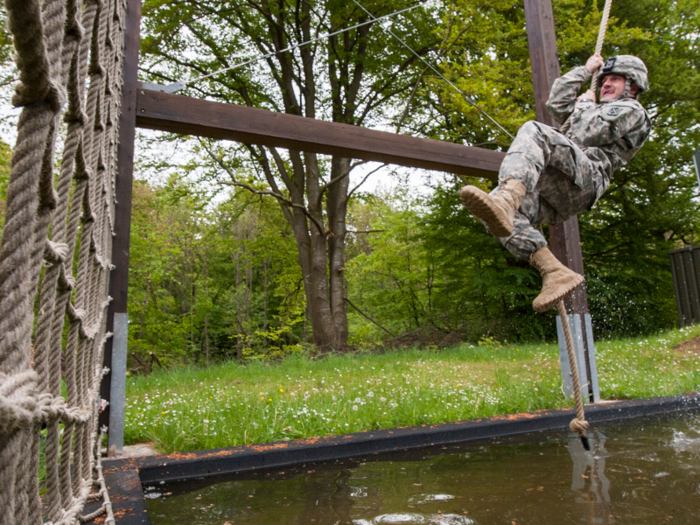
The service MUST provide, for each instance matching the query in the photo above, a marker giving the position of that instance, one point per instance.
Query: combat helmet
(629, 66)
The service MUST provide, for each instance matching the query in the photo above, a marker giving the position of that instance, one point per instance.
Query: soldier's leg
(528, 243)
(527, 158)
(527, 238)
(565, 177)
(571, 195)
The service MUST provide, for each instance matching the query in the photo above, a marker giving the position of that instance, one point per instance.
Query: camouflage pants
(561, 182)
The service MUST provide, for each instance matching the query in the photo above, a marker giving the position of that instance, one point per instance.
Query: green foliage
(432, 264)
(390, 280)
(228, 405)
(198, 278)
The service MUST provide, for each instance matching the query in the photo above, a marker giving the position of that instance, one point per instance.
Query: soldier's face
(613, 86)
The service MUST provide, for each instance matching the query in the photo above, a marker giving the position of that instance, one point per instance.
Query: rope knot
(76, 115)
(52, 93)
(51, 407)
(579, 425)
(55, 252)
(76, 314)
(65, 281)
(19, 406)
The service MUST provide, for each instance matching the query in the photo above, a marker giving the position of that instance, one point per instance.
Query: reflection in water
(426, 498)
(588, 481)
(643, 472)
(416, 519)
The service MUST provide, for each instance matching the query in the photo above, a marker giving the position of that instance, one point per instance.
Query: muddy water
(646, 472)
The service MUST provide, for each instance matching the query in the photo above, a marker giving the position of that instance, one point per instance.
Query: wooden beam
(544, 60)
(119, 279)
(190, 116)
(565, 239)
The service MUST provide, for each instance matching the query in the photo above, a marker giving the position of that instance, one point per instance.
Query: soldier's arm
(562, 97)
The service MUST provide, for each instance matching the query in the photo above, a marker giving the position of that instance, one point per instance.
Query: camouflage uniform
(566, 174)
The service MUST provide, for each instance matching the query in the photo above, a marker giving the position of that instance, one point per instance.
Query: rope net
(56, 252)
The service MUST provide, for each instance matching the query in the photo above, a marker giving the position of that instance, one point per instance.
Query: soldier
(549, 175)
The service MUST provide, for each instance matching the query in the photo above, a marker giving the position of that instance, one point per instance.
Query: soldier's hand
(588, 95)
(595, 63)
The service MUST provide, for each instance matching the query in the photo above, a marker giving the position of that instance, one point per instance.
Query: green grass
(190, 409)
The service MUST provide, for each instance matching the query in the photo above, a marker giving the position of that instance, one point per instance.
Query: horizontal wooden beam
(191, 116)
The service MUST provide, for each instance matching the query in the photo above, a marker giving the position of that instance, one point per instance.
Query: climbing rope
(601, 38)
(69, 53)
(579, 423)
(598, 49)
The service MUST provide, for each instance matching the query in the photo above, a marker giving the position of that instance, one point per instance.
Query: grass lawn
(231, 404)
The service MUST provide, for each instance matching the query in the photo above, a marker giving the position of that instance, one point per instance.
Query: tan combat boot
(557, 280)
(496, 211)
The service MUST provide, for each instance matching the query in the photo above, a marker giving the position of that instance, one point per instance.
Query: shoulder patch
(614, 111)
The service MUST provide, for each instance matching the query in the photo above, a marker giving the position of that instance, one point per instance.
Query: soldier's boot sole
(558, 281)
(558, 287)
(489, 209)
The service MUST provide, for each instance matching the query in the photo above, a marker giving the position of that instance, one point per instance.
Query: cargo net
(55, 256)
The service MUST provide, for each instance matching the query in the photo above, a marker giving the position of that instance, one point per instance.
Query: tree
(210, 280)
(430, 266)
(357, 77)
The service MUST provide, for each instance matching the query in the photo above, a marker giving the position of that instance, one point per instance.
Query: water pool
(645, 471)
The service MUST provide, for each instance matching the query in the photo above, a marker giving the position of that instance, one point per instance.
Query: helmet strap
(626, 92)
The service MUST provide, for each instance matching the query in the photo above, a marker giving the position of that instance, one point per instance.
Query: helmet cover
(630, 67)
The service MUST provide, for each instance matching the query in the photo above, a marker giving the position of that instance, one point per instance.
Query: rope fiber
(69, 58)
(598, 50)
(579, 423)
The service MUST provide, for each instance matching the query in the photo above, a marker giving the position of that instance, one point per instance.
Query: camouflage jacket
(610, 133)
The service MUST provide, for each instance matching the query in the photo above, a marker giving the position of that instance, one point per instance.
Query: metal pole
(696, 160)
(120, 341)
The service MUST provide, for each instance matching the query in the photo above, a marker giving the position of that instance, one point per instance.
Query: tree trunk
(144, 306)
(239, 339)
(311, 247)
(206, 339)
(266, 266)
(336, 206)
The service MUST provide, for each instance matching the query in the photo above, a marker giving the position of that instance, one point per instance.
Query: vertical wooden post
(565, 240)
(119, 280)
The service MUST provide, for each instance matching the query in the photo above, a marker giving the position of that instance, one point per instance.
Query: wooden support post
(565, 240)
(119, 280)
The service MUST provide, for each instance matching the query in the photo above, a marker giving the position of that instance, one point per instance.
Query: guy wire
(435, 70)
(182, 84)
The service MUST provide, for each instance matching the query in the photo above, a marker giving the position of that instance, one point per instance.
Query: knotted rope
(67, 51)
(579, 423)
